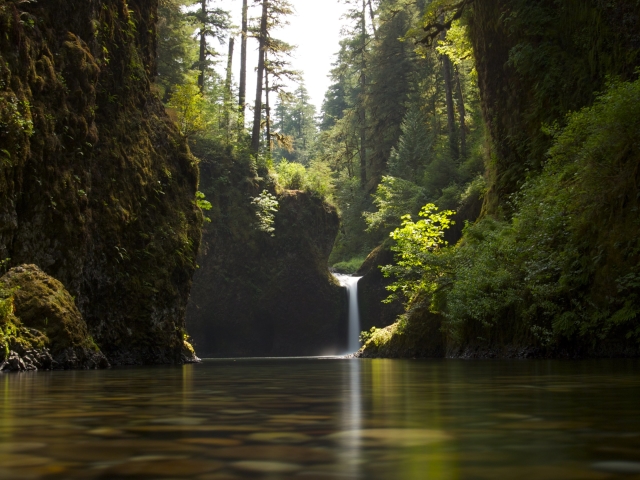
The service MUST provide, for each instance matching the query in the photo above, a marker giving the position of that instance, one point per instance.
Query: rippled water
(326, 419)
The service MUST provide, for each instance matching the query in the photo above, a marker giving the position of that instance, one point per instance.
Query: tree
(394, 71)
(257, 112)
(417, 246)
(212, 23)
(176, 50)
(242, 93)
(415, 146)
(270, 62)
(190, 107)
(296, 125)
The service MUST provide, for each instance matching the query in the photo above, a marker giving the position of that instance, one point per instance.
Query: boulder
(48, 329)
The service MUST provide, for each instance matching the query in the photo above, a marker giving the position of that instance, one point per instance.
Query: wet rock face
(257, 295)
(96, 186)
(44, 330)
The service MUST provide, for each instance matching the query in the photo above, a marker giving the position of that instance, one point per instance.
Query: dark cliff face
(538, 61)
(372, 290)
(96, 186)
(257, 295)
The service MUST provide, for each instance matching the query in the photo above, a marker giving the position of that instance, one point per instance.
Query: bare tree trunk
(267, 105)
(363, 112)
(462, 114)
(373, 23)
(451, 119)
(242, 93)
(202, 59)
(227, 90)
(257, 113)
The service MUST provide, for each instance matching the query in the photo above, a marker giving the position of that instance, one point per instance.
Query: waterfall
(351, 283)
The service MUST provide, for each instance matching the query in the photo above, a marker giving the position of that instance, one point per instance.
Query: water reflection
(325, 419)
(349, 440)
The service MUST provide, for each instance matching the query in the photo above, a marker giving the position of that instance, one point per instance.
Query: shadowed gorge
(320, 240)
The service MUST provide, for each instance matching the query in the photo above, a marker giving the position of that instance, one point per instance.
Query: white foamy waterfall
(351, 283)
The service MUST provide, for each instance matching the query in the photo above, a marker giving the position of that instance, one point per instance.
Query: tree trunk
(202, 59)
(373, 23)
(257, 113)
(227, 89)
(451, 119)
(242, 93)
(462, 114)
(266, 105)
(363, 112)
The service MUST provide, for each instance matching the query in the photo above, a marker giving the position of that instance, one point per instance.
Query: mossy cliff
(261, 295)
(96, 186)
(536, 62)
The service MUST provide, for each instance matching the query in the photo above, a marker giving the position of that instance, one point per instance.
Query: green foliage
(177, 51)
(203, 204)
(566, 266)
(295, 120)
(291, 175)
(350, 266)
(190, 106)
(393, 198)
(314, 179)
(420, 258)
(266, 207)
(415, 146)
(457, 44)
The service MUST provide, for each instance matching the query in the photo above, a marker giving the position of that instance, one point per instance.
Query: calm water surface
(326, 419)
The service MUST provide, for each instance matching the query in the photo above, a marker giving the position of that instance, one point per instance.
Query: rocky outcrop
(372, 291)
(96, 186)
(43, 329)
(416, 335)
(261, 295)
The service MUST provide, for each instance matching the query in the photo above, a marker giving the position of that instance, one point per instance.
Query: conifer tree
(212, 23)
(242, 92)
(176, 49)
(271, 61)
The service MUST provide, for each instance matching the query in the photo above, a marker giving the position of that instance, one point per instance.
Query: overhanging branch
(434, 29)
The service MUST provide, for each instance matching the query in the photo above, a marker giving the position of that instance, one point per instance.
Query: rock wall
(372, 291)
(258, 295)
(96, 186)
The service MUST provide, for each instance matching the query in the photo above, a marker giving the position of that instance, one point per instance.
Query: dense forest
(484, 153)
(482, 158)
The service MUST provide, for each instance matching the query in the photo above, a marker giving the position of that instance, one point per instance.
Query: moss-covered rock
(97, 187)
(417, 334)
(45, 317)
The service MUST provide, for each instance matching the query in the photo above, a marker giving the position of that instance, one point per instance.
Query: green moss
(415, 334)
(41, 303)
(110, 183)
(13, 334)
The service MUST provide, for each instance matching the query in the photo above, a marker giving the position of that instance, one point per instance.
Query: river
(331, 419)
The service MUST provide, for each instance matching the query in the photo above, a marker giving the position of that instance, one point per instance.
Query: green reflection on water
(325, 419)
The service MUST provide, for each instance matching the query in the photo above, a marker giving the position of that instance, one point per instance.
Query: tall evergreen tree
(212, 23)
(242, 93)
(270, 62)
(176, 49)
